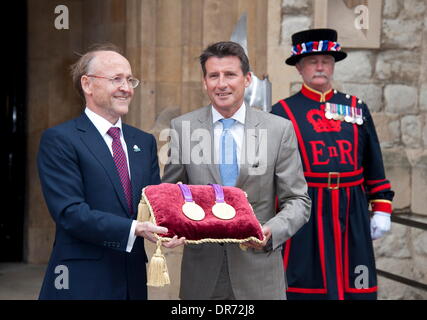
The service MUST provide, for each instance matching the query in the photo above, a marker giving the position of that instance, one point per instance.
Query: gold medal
(193, 211)
(223, 211)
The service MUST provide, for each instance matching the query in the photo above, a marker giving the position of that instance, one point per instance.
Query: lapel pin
(136, 148)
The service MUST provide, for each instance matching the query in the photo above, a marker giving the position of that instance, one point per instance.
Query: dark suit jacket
(83, 193)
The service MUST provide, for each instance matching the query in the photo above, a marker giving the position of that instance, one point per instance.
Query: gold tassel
(158, 274)
(143, 211)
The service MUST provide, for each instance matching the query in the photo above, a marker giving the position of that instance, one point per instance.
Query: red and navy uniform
(330, 255)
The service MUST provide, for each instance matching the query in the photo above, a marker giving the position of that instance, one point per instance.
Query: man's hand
(267, 235)
(174, 242)
(147, 230)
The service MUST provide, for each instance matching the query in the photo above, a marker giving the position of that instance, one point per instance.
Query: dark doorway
(13, 33)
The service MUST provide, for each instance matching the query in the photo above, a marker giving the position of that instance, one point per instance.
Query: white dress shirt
(237, 130)
(103, 125)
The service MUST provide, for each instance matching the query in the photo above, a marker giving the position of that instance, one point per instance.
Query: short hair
(81, 67)
(225, 49)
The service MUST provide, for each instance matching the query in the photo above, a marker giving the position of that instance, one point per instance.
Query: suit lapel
(250, 146)
(206, 123)
(136, 171)
(97, 146)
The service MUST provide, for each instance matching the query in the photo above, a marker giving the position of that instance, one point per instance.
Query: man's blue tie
(228, 167)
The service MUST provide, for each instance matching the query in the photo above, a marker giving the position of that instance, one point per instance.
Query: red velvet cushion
(166, 202)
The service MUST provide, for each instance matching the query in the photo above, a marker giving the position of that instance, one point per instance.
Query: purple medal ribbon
(185, 190)
(190, 209)
(221, 209)
(219, 193)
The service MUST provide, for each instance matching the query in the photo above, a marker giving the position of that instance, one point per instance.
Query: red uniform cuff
(381, 205)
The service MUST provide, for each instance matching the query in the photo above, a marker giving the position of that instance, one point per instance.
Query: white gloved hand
(380, 224)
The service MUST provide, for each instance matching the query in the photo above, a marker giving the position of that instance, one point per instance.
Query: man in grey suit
(231, 144)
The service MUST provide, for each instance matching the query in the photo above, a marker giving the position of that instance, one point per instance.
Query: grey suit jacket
(270, 165)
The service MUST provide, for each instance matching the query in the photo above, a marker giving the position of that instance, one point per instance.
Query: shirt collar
(316, 95)
(100, 123)
(239, 115)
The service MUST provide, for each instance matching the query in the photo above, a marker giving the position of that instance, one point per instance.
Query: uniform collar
(316, 95)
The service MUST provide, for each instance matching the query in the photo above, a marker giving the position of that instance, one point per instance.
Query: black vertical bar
(13, 129)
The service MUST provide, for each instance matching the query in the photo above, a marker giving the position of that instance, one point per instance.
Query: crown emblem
(320, 123)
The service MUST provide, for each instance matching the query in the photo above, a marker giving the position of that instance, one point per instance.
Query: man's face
(225, 83)
(102, 96)
(317, 71)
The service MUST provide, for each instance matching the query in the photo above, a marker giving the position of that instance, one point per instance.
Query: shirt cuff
(132, 236)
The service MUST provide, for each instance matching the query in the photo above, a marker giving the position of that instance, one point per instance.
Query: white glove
(380, 224)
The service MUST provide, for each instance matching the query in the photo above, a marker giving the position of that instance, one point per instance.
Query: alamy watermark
(62, 20)
(362, 20)
(62, 280)
(362, 280)
(195, 147)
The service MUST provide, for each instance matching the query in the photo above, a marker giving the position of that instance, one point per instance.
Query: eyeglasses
(118, 81)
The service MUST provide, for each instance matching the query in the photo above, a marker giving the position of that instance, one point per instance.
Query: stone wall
(393, 81)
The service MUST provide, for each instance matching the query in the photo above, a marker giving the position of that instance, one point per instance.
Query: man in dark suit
(92, 170)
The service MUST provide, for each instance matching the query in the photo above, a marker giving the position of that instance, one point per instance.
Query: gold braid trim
(381, 200)
(206, 240)
(211, 240)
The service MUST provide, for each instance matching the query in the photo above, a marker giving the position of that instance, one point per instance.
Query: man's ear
(86, 84)
(298, 66)
(248, 79)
